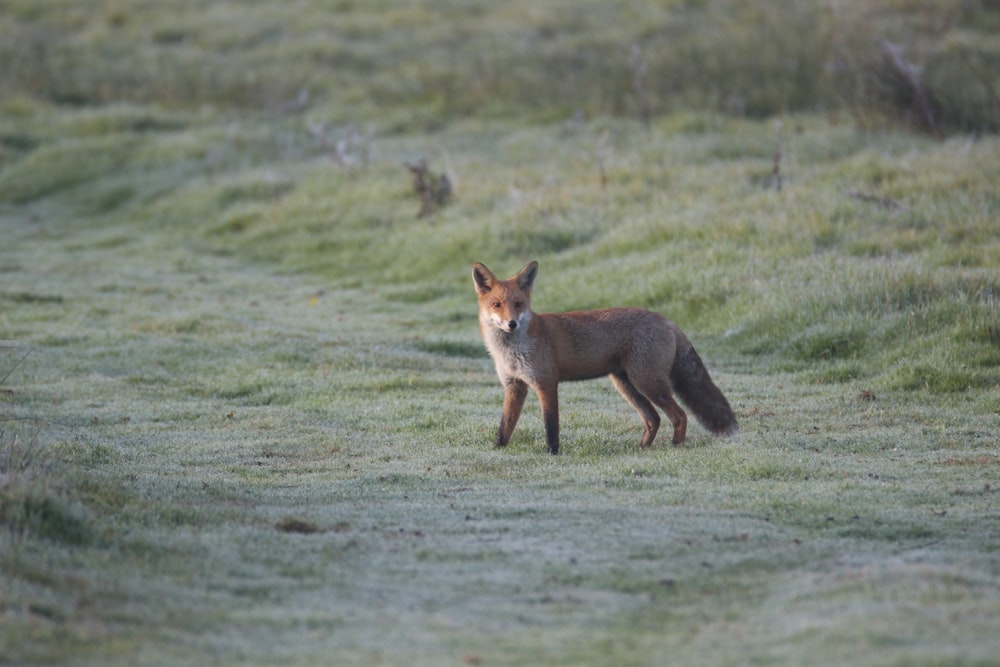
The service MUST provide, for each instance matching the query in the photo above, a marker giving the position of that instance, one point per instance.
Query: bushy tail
(691, 382)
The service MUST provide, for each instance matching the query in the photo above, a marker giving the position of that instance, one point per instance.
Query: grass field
(246, 417)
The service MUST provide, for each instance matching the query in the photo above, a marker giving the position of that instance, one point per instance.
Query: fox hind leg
(648, 414)
(675, 414)
(657, 389)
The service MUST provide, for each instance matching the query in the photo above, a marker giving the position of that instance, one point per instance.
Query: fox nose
(512, 325)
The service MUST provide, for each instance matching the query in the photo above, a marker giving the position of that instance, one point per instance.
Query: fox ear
(526, 277)
(483, 278)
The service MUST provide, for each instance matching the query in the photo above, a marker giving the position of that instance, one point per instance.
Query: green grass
(248, 417)
(414, 67)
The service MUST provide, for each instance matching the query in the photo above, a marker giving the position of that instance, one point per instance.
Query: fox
(647, 356)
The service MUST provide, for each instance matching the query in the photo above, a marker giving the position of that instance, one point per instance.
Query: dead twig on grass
(346, 146)
(600, 154)
(776, 163)
(908, 77)
(12, 369)
(434, 190)
(887, 203)
(638, 64)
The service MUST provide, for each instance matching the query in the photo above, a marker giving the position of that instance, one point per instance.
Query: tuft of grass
(451, 348)
(32, 506)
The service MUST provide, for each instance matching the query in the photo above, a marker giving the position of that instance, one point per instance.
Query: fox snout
(507, 326)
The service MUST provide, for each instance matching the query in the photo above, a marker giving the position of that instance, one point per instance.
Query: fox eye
(519, 304)
(496, 304)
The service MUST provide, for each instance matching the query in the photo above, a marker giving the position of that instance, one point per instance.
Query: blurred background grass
(626, 144)
(934, 65)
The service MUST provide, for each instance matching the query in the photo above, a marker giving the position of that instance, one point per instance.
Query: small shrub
(963, 78)
(29, 503)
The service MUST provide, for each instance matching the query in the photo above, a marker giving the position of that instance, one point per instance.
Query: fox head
(504, 304)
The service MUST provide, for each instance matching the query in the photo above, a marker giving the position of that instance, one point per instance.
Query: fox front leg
(514, 394)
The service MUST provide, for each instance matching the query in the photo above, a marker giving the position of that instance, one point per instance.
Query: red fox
(646, 355)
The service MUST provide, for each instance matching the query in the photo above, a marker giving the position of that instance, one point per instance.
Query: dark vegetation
(930, 65)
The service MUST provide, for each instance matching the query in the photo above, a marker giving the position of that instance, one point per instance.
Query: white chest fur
(511, 353)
